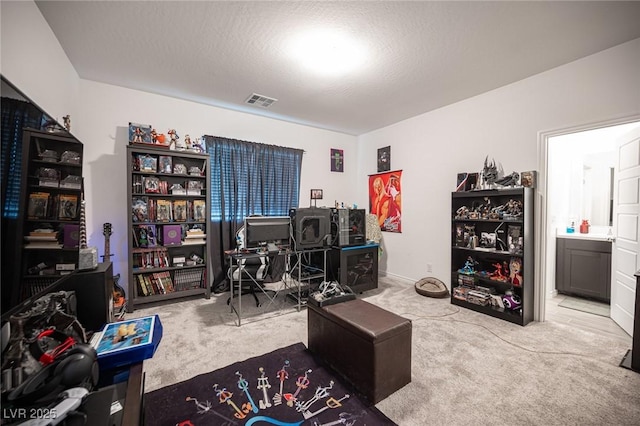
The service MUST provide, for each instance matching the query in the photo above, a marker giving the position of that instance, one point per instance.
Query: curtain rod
(262, 143)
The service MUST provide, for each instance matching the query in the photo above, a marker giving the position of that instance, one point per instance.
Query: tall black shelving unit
(484, 235)
(176, 198)
(51, 193)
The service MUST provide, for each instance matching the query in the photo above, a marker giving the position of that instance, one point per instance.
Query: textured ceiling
(420, 55)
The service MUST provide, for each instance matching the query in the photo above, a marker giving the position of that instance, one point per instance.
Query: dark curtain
(247, 178)
(16, 115)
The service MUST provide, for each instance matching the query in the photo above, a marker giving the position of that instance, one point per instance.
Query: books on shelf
(43, 245)
(43, 239)
(150, 258)
(155, 283)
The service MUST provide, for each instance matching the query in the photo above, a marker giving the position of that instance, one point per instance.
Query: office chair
(252, 268)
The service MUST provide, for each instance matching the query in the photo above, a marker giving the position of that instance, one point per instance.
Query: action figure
(498, 274)
(137, 135)
(510, 180)
(469, 267)
(174, 140)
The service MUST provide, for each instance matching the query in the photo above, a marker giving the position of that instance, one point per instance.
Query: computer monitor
(261, 230)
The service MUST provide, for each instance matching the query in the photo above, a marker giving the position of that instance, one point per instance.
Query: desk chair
(252, 268)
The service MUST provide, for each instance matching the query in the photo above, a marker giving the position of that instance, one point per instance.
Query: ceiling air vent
(260, 100)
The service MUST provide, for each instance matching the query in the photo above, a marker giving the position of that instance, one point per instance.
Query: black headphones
(67, 365)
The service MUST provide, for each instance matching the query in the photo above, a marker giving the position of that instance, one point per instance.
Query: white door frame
(541, 195)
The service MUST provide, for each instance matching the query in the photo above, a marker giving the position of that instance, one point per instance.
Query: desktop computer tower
(348, 227)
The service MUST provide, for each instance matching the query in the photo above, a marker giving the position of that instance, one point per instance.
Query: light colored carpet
(467, 368)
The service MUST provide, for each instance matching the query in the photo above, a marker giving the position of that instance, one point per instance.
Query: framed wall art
(384, 159)
(337, 160)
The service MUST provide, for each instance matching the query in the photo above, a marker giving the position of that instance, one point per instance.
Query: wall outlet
(429, 267)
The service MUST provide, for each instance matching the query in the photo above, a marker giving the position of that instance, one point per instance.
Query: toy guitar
(118, 291)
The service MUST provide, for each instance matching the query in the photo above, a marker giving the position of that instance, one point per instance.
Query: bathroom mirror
(597, 188)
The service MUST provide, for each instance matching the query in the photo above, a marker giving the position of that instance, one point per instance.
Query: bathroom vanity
(583, 265)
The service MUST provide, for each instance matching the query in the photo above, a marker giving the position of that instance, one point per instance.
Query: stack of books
(42, 239)
(195, 236)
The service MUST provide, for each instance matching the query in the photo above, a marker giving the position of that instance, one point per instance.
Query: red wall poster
(385, 200)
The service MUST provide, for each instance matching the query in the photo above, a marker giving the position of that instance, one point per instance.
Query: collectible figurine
(515, 268)
(462, 212)
(489, 174)
(510, 180)
(198, 146)
(67, 122)
(154, 136)
(175, 140)
(137, 135)
(187, 142)
(498, 274)
(469, 267)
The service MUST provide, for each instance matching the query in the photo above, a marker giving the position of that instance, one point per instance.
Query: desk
(288, 284)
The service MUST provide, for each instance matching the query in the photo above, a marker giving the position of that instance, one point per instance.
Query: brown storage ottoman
(367, 345)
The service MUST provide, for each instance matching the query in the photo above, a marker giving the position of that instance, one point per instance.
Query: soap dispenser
(571, 227)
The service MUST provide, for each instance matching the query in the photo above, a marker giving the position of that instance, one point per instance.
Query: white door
(626, 228)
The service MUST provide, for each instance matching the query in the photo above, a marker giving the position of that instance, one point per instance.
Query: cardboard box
(128, 342)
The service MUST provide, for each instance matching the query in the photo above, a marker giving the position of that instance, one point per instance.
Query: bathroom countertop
(597, 235)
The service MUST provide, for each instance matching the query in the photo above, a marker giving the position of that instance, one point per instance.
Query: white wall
(102, 124)
(33, 60)
(503, 124)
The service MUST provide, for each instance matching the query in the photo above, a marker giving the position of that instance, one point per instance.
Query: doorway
(575, 184)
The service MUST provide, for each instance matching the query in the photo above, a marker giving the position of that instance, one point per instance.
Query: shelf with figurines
(168, 222)
(492, 244)
(147, 135)
(495, 287)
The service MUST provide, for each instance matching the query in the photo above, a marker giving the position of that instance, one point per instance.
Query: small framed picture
(337, 160)
(316, 194)
(384, 159)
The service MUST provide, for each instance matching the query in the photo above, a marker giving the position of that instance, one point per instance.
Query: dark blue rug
(286, 387)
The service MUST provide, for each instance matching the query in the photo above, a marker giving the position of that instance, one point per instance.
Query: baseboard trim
(396, 276)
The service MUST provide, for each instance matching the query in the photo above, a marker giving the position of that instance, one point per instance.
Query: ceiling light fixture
(327, 52)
